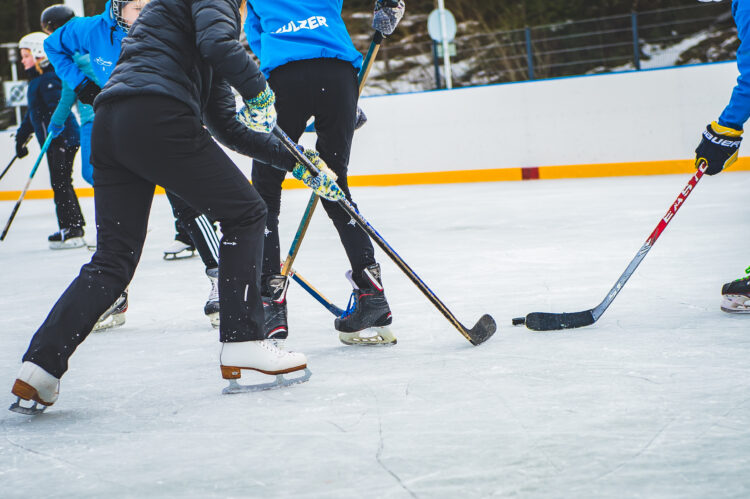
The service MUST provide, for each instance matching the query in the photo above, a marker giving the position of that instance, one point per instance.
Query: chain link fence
(644, 40)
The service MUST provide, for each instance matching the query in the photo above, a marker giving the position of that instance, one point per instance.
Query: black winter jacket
(189, 50)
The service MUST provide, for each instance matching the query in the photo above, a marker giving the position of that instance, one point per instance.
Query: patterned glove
(387, 15)
(55, 130)
(258, 113)
(719, 148)
(324, 184)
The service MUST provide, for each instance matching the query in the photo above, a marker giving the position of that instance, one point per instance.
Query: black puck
(519, 321)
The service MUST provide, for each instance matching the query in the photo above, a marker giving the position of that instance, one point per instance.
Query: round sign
(434, 25)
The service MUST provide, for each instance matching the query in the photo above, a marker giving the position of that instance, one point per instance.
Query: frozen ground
(653, 401)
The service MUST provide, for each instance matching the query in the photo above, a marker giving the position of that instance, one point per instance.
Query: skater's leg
(199, 228)
(60, 159)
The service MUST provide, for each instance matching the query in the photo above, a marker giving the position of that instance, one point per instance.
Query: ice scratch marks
(379, 453)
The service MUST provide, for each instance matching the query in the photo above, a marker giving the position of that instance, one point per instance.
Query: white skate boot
(264, 357)
(179, 250)
(212, 304)
(114, 316)
(37, 385)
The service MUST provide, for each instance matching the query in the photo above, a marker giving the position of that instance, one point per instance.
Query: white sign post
(442, 28)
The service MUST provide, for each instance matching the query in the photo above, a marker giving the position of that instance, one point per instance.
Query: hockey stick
(481, 331)
(317, 294)
(544, 321)
(13, 160)
(286, 269)
(45, 146)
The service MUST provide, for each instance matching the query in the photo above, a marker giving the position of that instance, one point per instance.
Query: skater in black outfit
(174, 77)
(43, 95)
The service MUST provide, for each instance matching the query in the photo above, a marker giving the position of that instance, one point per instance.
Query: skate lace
(747, 271)
(351, 307)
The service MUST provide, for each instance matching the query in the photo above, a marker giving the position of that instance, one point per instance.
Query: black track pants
(326, 89)
(198, 228)
(60, 161)
(140, 142)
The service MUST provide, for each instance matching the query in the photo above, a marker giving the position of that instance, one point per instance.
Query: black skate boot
(367, 309)
(274, 309)
(736, 295)
(67, 238)
(211, 309)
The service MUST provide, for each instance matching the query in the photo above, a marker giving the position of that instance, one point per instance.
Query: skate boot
(274, 309)
(36, 385)
(114, 316)
(212, 304)
(179, 250)
(264, 357)
(67, 238)
(736, 295)
(367, 310)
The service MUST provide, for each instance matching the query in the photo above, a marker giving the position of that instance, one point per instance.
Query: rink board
(632, 123)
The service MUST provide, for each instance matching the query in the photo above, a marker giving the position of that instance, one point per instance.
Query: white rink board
(650, 402)
(618, 118)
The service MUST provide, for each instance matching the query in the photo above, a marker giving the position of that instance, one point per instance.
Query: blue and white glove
(55, 130)
(324, 184)
(258, 113)
(387, 15)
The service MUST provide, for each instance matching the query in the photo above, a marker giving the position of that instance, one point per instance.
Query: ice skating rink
(652, 401)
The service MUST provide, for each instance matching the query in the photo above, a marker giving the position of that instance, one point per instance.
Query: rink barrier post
(482, 330)
(636, 41)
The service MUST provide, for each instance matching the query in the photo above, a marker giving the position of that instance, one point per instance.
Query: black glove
(719, 148)
(21, 149)
(87, 91)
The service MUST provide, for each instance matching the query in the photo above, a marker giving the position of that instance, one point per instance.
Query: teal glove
(324, 184)
(258, 113)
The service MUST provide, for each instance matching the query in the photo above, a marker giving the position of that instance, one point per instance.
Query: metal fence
(641, 40)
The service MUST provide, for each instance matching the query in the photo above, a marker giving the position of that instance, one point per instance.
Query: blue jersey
(282, 31)
(738, 111)
(99, 36)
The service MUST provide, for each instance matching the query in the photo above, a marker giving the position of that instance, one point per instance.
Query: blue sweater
(99, 36)
(282, 31)
(68, 97)
(738, 111)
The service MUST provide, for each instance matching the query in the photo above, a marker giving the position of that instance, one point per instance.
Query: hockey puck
(519, 321)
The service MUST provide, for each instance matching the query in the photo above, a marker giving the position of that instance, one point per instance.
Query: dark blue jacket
(282, 31)
(738, 111)
(43, 94)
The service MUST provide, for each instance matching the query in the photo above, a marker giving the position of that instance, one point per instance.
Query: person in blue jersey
(720, 143)
(52, 18)
(311, 64)
(100, 38)
(43, 94)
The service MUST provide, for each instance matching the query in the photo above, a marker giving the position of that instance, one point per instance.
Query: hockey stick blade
(482, 330)
(544, 321)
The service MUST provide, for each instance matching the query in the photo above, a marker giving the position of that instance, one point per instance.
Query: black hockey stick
(13, 160)
(481, 331)
(26, 187)
(544, 321)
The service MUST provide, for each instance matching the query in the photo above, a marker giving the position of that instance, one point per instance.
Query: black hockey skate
(736, 295)
(367, 310)
(67, 238)
(274, 309)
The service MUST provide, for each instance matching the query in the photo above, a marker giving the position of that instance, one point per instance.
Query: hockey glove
(719, 148)
(361, 119)
(324, 184)
(258, 113)
(55, 130)
(21, 150)
(87, 91)
(387, 15)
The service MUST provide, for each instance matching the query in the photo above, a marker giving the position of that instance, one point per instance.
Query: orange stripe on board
(470, 176)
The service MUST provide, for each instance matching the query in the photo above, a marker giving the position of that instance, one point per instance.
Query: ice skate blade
(735, 304)
(279, 382)
(180, 255)
(111, 322)
(382, 337)
(34, 410)
(74, 242)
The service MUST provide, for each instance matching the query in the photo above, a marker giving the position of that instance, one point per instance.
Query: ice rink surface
(652, 401)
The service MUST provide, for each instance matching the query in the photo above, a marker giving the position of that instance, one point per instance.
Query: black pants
(198, 229)
(139, 142)
(326, 89)
(60, 158)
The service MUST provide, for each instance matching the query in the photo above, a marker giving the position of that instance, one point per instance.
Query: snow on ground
(652, 401)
